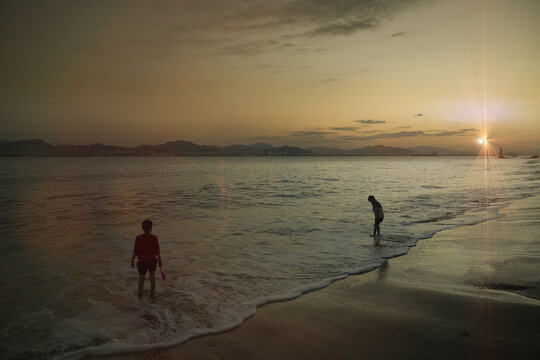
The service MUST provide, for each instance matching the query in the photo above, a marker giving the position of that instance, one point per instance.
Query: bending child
(378, 212)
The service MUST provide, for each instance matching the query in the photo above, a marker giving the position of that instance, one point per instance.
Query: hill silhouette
(38, 147)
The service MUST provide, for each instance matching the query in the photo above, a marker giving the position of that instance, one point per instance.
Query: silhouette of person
(378, 212)
(146, 249)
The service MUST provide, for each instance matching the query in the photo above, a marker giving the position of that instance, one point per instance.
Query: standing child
(147, 250)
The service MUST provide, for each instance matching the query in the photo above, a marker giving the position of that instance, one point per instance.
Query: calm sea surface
(235, 233)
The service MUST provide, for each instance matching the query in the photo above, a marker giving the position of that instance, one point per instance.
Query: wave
(236, 318)
(432, 187)
(446, 216)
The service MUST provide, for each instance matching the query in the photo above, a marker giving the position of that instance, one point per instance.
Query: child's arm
(159, 259)
(158, 253)
(133, 258)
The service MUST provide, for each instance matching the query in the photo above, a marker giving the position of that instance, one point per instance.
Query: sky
(338, 73)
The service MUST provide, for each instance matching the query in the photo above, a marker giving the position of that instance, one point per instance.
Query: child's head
(371, 198)
(147, 225)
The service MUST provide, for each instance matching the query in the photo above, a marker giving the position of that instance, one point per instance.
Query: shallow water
(234, 232)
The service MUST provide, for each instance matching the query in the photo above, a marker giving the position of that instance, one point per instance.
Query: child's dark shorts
(147, 265)
(379, 220)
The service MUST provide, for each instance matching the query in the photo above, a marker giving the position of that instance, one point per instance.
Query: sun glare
(482, 141)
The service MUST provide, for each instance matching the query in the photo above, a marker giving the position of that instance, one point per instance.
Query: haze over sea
(235, 233)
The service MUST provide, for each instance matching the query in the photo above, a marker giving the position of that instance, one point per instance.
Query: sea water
(235, 233)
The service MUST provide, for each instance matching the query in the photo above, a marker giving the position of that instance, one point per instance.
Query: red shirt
(146, 247)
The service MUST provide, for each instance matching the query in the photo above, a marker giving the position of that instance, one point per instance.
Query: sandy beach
(467, 293)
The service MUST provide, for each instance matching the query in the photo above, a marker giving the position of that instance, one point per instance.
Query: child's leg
(141, 285)
(152, 283)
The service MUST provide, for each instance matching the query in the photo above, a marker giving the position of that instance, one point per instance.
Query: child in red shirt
(146, 248)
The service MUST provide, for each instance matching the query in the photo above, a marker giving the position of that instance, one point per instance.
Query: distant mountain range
(38, 147)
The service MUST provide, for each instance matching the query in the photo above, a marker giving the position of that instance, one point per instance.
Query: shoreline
(437, 274)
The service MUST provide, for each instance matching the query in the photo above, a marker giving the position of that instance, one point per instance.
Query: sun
(482, 141)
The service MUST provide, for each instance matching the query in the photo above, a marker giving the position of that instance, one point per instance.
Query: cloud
(256, 47)
(327, 80)
(371, 122)
(343, 28)
(281, 69)
(271, 13)
(353, 138)
(263, 20)
(399, 134)
(402, 134)
(346, 128)
(418, 114)
(403, 127)
(236, 27)
(459, 132)
(271, 67)
(362, 136)
(312, 133)
(400, 33)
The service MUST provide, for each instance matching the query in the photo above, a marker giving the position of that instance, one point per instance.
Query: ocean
(235, 233)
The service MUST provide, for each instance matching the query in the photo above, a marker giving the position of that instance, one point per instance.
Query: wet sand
(467, 293)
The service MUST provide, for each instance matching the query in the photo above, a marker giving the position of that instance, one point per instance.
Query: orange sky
(308, 73)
